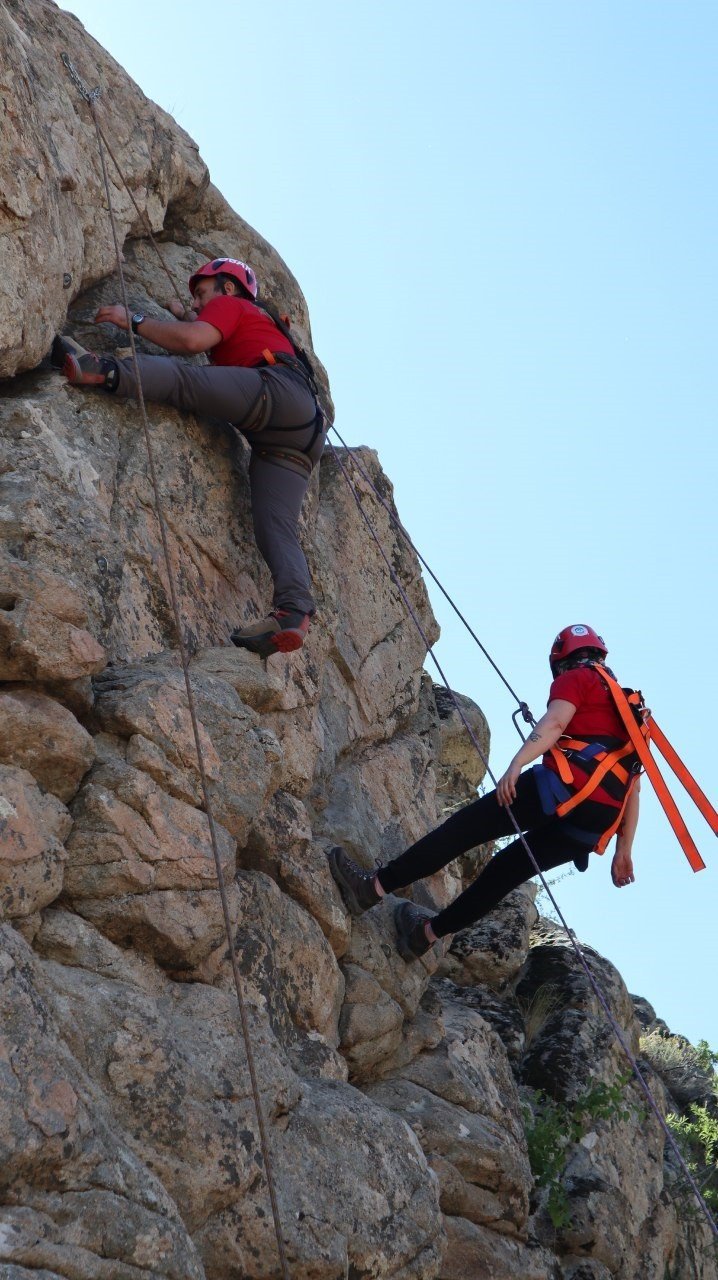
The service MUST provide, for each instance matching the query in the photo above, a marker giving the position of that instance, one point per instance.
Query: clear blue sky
(503, 217)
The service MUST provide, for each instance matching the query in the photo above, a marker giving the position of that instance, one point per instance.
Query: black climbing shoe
(411, 939)
(282, 631)
(83, 368)
(355, 885)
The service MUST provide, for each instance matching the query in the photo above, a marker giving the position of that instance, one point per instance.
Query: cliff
(398, 1097)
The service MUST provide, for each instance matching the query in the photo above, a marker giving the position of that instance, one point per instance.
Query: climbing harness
(289, 457)
(300, 361)
(522, 709)
(257, 417)
(301, 366)
(605, 767)
(608, 768)
(90, 98)
(260, 414)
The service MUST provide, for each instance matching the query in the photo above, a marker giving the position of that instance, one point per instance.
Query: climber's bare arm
(622, 865)
(542, 736)
(173, 335)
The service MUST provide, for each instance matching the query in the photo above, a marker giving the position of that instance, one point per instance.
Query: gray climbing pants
(278, 480)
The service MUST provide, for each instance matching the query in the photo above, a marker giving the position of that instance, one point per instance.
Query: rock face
(397, 1097)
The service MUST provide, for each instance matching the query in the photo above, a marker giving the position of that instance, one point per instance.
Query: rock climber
(582, 713)
(256, 381)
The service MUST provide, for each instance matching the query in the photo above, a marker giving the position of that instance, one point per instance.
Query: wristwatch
(136, 320)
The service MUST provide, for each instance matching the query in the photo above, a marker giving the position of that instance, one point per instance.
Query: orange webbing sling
(671, 758)
(640, 741)
(608, 762)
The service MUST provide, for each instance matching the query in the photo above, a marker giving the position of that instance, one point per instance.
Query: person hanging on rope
(582, 713)
(260, 382)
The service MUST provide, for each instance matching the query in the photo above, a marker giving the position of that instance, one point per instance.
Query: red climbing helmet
(572, 638)
(227, 267)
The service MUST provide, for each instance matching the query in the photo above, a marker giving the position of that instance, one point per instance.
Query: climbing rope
(522, 709)
(617, 1031)
(91, 98)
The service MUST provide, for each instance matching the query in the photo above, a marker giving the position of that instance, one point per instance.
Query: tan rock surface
(383, 994)
(281, 844)
(288, 965)
(377, 653)
(76, 1201)
(466, 1116)
(32, 855)
(475, 1251)
(493, 950)
(461, 768)
(572, 1042)
(148, 704)
(56, 236)
(39, 641)
(173, 1074)
(42, 736)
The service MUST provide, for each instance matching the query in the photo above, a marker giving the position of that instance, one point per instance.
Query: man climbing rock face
(257, 382)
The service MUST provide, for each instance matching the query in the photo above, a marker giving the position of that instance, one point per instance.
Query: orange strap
(607, 836)
(674, 761)
(652, 771)
(269, 356)
(608, 761)
(563, 768)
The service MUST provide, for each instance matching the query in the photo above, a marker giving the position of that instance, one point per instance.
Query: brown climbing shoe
(411, 939)
(355, 885)
(282, 631)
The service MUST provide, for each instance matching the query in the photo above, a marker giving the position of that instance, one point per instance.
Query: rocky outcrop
(398, 1097)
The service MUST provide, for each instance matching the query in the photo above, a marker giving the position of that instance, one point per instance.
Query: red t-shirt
(246, 332)
(595, 709)
(596, 717)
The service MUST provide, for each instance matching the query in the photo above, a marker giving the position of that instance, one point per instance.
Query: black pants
(551, 844)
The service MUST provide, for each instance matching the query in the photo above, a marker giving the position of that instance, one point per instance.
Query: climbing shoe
(83, 368)
(282, 631)
(411, 939)
(63, 346)
(355, 885)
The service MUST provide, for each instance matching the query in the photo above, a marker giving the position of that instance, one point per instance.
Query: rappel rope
(90, 98)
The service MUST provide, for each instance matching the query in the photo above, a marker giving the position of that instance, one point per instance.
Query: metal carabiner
(523, 710)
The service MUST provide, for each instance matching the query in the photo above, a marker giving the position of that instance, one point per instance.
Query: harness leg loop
(259, 416)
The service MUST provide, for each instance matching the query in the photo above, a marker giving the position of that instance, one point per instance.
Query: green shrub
(552, 1128)
(697, 1136)
(707, 1057)
(679, 1064)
